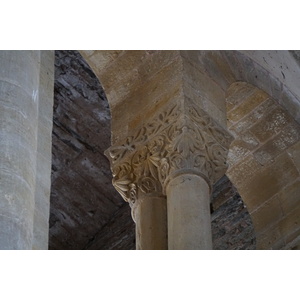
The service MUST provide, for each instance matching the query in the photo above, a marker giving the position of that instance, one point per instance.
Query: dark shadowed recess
(85, 210)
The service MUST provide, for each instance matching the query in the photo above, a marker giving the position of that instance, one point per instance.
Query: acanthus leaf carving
(178, 138)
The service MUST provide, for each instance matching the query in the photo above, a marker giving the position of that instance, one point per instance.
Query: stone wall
(82, 197)
(86, 211)
(264, 163)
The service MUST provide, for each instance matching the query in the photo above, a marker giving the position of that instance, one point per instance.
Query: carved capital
(183, 138)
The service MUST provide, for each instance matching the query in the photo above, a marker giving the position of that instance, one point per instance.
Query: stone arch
(263, 163)
(225, 69)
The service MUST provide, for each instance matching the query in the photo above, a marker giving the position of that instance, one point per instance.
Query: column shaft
(150, 216)
(19, 84)
(189, 222)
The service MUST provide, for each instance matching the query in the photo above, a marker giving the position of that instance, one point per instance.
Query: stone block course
(266, 214)
(294, 153)
(271, 124)
(244, 171)
(209, 89)
(269, 181)
(100, 60)
(290, 223)
(120, 68)
(252, 118)
(236, 93)
(241, 147)
(247, 106)
(154, 61)
(270, 239)
(217, 68)
(290, 197)
(288, 136)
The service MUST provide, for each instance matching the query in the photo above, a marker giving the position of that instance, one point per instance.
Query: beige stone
(247, 106)
(121, 67)
(204, 84)
(252, 118)
(270, 239)
(243, 172)
(218, 68)
(241, 147)
(237, 92)
(100, 60)
(269, 181)
(267, 214)
(294, 152)
(290, 197)
(288, 136)
(290, 225)
(154, 62)
(271, 124)
(189, 225)
(150, 216)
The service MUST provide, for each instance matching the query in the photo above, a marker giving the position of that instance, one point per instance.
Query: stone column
(150, 216)
(19, 85)
(26, 106)
(179, 153)
(44, 154)
(135, 178)
(189, 223)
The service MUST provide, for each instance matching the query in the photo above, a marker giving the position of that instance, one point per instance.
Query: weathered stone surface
(232, 227)
(271, 123)
(240, 148)
(85, 211)
(244, 171)
(252, 118)
(268, 213)
(290, 197)
(270, 239)
(43, 155)
(288, 136)
(19, 84)
(207, 88)
(236, 93)
(117, 234)
(269, 181)
(289, 225)
(264, 168)
(82, 197)
(247, 105)
(246, 143)
(294, 153)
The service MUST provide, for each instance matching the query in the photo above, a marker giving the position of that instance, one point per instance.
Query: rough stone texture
(82, 197)
(232, 227)
(264, 166)
(86, 211)
(117, 234)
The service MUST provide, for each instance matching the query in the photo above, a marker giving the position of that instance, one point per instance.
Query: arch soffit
(264, 163)
(258, 171)
(275, 72)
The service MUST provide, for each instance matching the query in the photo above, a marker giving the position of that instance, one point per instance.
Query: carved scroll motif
(178, 138)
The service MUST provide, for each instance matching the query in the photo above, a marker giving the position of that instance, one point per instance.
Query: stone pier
(22, 114)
